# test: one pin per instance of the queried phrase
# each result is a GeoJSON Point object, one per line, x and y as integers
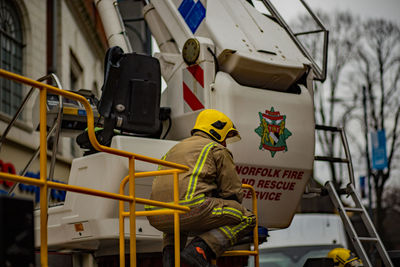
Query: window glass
{"type": "Point", "coordinates": [10, 56]}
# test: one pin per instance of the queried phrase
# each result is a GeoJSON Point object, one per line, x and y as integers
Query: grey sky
{"type": "Point", "coordinates": [388, 9]}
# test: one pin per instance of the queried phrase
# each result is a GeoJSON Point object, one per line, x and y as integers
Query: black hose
{"type": "Point", "coordinates": [215, 60]}
{"type": "Point", "coordinates": [169, 128]}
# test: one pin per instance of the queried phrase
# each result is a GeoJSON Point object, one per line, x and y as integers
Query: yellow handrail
{"type": "Point", "coordinates": [255, 251]}
{"type": "Point", "coordinates": [176, 212]}
{"type": "Point", "coordinates": [44, 184]}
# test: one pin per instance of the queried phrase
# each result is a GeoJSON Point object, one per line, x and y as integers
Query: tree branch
{"type": "Point", "coordinates": [394, 139]}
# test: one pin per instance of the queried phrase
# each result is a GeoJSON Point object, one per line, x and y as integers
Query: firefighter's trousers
{"type": "Point", "coordinates": [219, 222]}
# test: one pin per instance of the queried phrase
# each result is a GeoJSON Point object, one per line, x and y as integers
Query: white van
{"type": "Point", "coordinates": [308, 236]}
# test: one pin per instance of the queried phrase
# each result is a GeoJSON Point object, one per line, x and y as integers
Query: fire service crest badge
{"type": "Point", "coordinates": [273, 131]}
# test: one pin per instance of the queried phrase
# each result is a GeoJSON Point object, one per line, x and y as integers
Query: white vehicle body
{"type": "Point", "coordinates": [308, 236]}
{"type": "Point", "coordinates": [257, 66]}
{"type": "Point", "coordinates": [309, 230]}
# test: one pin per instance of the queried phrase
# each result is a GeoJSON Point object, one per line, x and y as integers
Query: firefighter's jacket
{"type": "Point", "coordinates": [211, 173]}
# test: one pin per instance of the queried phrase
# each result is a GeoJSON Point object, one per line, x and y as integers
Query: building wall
{"type": "Point", "coordinates": [34, 22]}
{"type": "Point", "coordinates": [74, 40]}
{"type": "Point", "coordinates": [17, 158]}
{"type": "Point", "coordinates": [73, 44]}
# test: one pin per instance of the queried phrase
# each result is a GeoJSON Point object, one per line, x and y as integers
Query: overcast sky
{"type": "Point", "coordinates": [386, 9]}
{"type": "Point", "coordinates": [389, 9]}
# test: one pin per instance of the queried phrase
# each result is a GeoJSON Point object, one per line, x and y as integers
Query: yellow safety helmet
{"type": "Point", "coordinates": [217, 125]}
{"type": "Point", "coordinates": [343, 257]}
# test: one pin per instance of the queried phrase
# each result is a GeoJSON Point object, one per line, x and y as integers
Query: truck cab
{"type": "Point", "coordinates": [310, 235]}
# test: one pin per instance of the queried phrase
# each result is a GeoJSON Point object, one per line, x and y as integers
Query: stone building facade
{"type": "Point", "coordinates": [38, 37]}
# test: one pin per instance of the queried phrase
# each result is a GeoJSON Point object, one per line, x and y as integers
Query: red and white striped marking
{"type": "Point", "coordinates": [193, 88]}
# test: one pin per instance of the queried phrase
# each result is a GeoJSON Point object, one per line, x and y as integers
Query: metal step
{"type": "Point", "coordinates": [328, 128]}
{"type": "Point", "coordinates": [368, 239]}
{"type": "Point", "coordinates": [331, 159]}
{"type": "Point", "coordinates": [354, 209]}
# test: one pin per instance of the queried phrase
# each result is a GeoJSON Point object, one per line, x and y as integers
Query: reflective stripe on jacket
{"type": "Point", "coordinates": [211, 172]}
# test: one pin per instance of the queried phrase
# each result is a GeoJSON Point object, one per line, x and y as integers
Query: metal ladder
{"type": "Point", "coordinates": [334, 194]}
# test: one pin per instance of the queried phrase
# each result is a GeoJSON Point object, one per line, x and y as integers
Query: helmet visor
{"type": "Point", "coordinates": [232, 136]}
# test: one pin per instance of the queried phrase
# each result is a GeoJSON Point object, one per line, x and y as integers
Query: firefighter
{"type": "Point", "coordinates": [344, 258]}
{"type": "Point", "coordinates": [211, 188]}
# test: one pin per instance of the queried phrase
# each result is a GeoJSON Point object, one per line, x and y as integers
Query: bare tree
{"type": "Point", "coordinates": [391, 202]}
{"type": "Point", "coordinates": [361, 55]}
{"type": "Point", "coordinates": [330, 108]}
{"type": "Point", "coordinates": [378, 72]}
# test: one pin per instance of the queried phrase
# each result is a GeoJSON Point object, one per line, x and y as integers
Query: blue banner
{"type": "Point", "coordinates": [378, 149]}
{"type": "Point", "coordinates": [362, 186]}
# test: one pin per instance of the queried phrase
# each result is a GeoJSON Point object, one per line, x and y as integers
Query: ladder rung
{"type": "Point", "coordinates": [368, 239]}
{"type": "Point", "coordinates": [331, 159]}
{"type": "Point", "coordinates": [327, 128]}
{"type": "Point", "coordinates": [354, 209]}
{"type": "Point", "coordinates": [307, 32]}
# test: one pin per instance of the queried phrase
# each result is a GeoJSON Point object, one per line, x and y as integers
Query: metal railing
{"type": "Point", "coordinates": [123, 214]}
{"type": "Point", "coordinates": [320, 71]}
{"type": "Point", "coordinates": [44, 184]}
{"type": "Point", "coordinates": [255, 251]}
{"type": "Point", "coordinates": [55, 127]}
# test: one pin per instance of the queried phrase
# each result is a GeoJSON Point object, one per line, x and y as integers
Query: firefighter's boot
{"type": "Point", "coordinates": [198, 254]}
{"type": "Point", "coordinates": [168, 256]}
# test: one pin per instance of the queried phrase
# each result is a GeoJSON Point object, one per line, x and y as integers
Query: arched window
{"type": "Point", "coordinates": [10, 56]}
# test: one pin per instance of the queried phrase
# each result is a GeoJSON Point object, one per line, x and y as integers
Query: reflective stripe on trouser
{"type": "Point", "coordinates": [219, 222]}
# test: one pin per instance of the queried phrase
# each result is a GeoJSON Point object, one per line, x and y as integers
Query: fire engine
{"type": "Point", "coordinates": [223, 55]}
